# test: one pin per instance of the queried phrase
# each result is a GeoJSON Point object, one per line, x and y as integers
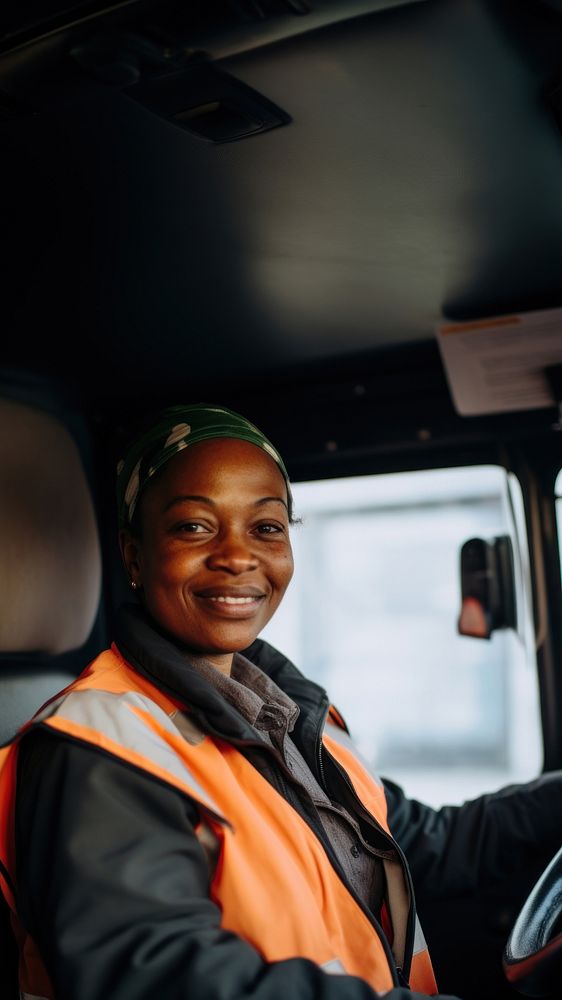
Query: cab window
{"type": "Point", "coordinates": [372, 615]}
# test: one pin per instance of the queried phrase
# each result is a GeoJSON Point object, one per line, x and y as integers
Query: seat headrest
{"type": "Point", "coordinates": [50, 560]}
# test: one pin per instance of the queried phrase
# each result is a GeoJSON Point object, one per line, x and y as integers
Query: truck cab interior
{"type": "Point", "coordinates": [299, 209]}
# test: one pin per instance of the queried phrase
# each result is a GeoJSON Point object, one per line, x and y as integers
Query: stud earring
{"type": "Point", "coordinates": [133, 585]}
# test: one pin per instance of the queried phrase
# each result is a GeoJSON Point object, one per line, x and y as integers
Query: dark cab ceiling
{"type": "Point", "coordinates": [419, 176]}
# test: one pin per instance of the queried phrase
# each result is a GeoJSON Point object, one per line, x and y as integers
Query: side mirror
{"type": "Point", "coordinates": [487, 587]}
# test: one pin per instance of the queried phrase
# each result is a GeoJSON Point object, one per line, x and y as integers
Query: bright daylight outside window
{"type": "Point", "coordinates": [372, 614]}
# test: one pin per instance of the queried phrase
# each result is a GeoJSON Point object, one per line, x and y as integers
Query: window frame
{"type": "Point", "coordinates": [536, 464]}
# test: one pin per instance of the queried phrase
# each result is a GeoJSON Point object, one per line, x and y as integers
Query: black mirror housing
{"type": "Point", "coordinates": [487, 587]}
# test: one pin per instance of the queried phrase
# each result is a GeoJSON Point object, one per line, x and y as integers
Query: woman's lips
{"type": "Point", "coordinates": [232, 602]}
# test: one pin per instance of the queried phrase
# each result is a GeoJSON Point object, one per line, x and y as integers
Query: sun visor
{"type": "Point", "coordinates": [504, 363]}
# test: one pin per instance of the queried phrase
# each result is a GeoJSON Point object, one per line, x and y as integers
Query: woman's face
{"type": "Point", "coordinates": [213, 559]}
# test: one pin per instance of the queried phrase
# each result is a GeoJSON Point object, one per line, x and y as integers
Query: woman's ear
{"type": "Point", "coordinates": [130, 553]}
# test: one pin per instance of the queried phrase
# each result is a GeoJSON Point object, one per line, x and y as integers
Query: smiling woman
{"type": "Point", "coordinates": [190, 817]}
{"type": "Point", "coordinates": [205, 505]}
{"type": "Point", "coordinates": [211, 557]}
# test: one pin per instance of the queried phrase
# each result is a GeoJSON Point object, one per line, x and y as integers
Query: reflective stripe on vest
{"type": "Point", "coordinates": [269, 853]}
{"type": "Point", "coordinates": [132, 726]}
{"type": "Point", "coordinates": [422, 976]}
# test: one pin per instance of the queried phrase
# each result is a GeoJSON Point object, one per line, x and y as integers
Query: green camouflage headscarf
{"type": "Point", "coordinates": [176, 428]}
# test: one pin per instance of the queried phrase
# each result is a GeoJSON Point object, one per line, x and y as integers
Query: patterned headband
{"type": "Point", "coordinates": [176, 428]}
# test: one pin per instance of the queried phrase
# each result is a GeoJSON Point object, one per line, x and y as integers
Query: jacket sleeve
{"type": "Point", "coordinates": [458, 849]}
{"type": "Point", "coordinates": [114, 888]}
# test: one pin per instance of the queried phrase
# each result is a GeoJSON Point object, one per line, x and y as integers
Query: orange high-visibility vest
{"type": "Point", "coordinates": [268, 853]}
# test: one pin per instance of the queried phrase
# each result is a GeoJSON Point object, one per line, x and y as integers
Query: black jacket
{"type": "Point", "coordinates": [113, 884]}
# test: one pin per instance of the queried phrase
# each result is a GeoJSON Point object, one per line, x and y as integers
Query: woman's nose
{"type": "Point", "coordinates": [232, 554]}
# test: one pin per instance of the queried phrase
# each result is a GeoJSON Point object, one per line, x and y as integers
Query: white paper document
{"type": "Point", "coordinates": [497, 365]}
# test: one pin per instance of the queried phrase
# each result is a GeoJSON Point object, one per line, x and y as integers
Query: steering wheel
{"type": "Point", "coordinates": [532, 959]}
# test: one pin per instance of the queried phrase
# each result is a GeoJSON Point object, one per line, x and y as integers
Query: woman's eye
{"type": "Point", "coordinates": [270, 529]}
{"type": "Point", "coordinates": [190, 527]}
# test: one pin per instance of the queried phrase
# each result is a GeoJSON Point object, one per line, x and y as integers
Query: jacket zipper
{"type": "Point", "coordinates": [396, 972]}
{"type": "Point", "coordinates": [410, 930]}
{"type": "Point", "coordinates": [321, 766]}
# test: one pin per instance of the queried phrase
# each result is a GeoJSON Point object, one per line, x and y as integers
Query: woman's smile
{"type": "Point", "coordinates": [232, 601]}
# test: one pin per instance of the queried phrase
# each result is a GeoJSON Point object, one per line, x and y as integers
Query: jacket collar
{"type": "Point", "coordinates": [155, 656]}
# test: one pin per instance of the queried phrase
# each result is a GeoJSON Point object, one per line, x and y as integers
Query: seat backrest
{"type": "Point", "coordinates": [27, 681]}
{"type": "Point", "coordinates": [50, 564]}
{"type": "Point", "coordinates": [50, 577]}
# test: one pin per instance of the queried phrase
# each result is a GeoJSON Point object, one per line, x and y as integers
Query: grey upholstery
{"type": "Point", "coordinates": [26, 682]}
{"type": "Point", "coordinates": [50, 563]}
